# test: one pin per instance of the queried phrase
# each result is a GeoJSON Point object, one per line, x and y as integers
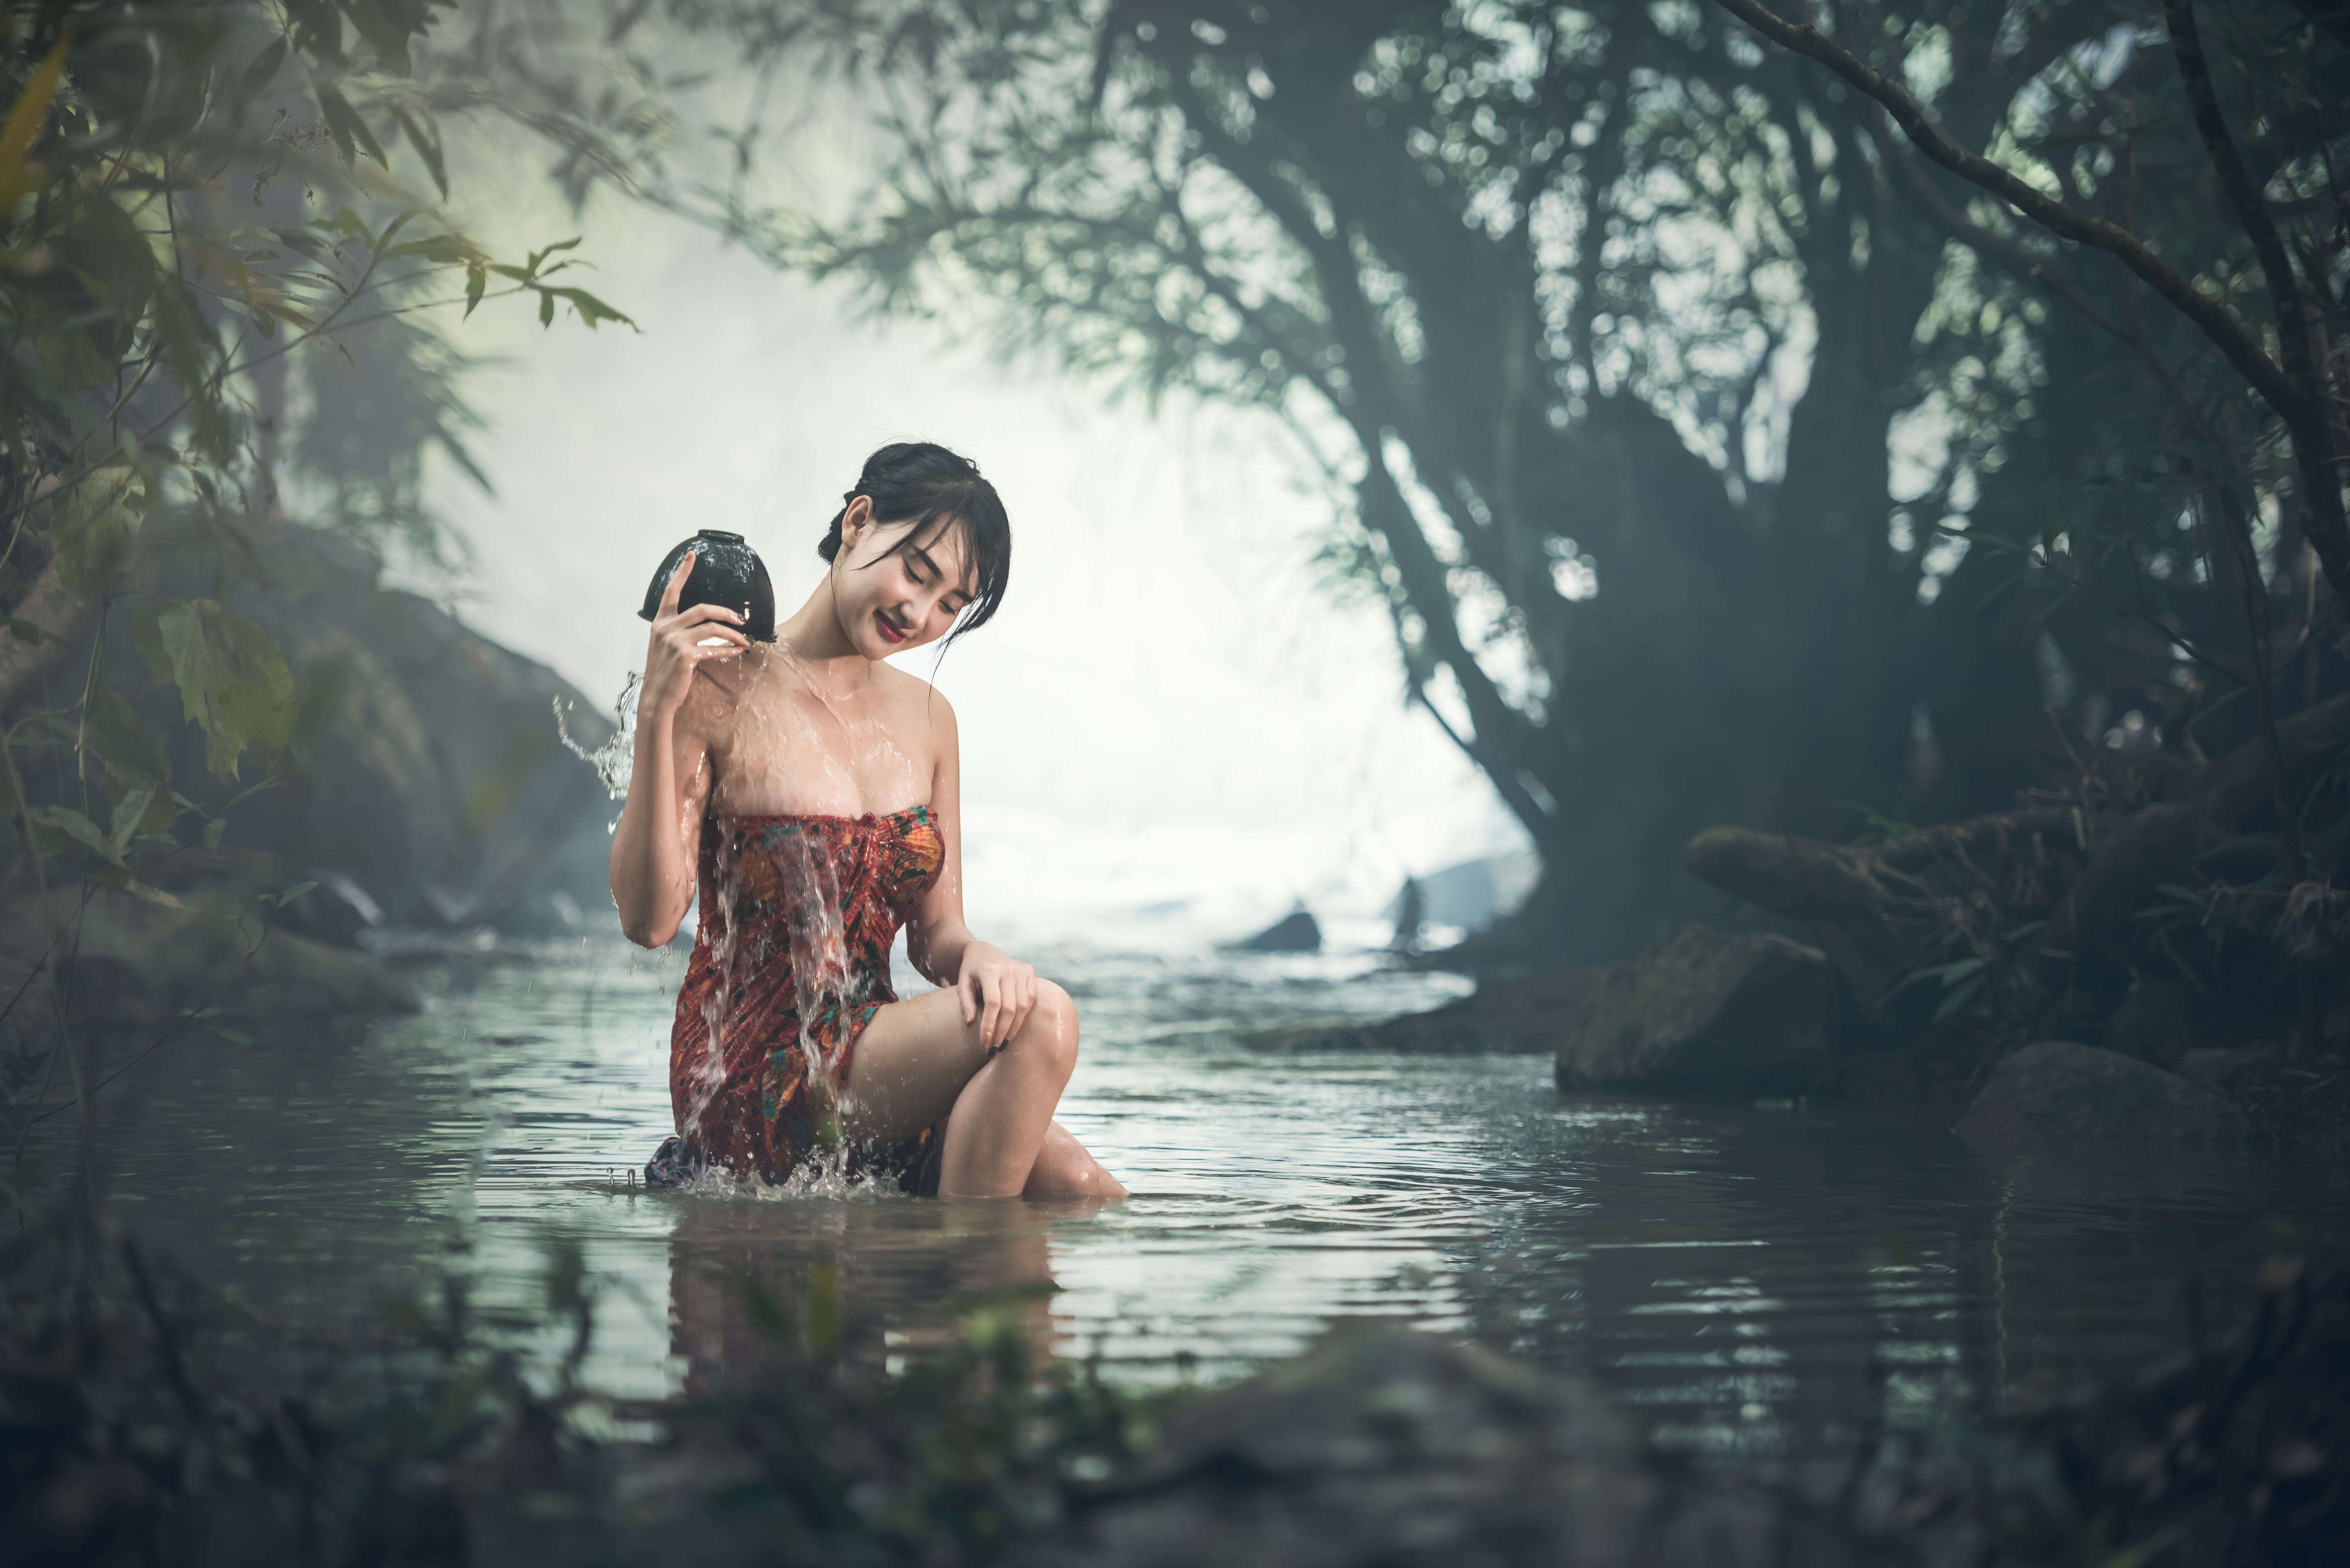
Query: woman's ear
{"type": "Point", "coordinates": [854, 523]}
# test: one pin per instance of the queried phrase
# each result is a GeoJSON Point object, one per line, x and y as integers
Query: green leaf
{"type": "Point", "coordinates": [161, 814]}
{"type": "Point", "coordinates": [546, 307]}
{"type": "Point", "coordinates": [263, 699]}
{"type": "Point", "coordinates": [263, 69]}
{"type": "Point", "coordinates": [97, 525]}
{"type": "Point", "coordinates": [28, 631]}
{"type": "Point", "coordinates": [427, 148]}
{"type": "Point", "coordinates": [591, 308]}
{"type": "Point", "coordinates": [122, 738]}
{"type": "Point", "coordinates": [62, 830]}
{"type": "Point", "coordinates": [147, 635]}
{"type": "Point", "coordinates": [388, 28]}
{"type": "Point", "coordinates": [212, 831]}
{"type": "Point", "coordinates": [138, 889]}
{"type": "Point", "coordinates": [181, 325]}
{"type": "Point", "coordinates": [350, 132]}
{"type": "Point", "coordinates": [539, 256]}
{"type": "Point", "coordinates": [477, 278]}
{"type": "Point", "coordinates": [382, 242]}
{"type": "Point", "coordinates": [448, 250]}
{"type": "Point", "coordinates": [293, 893]}
{"type": "Point", "coordinates": [108, 249]}
{"type": "Point", "coordinates": [1957, 999]}
{"type": "Point", "coordinates": [127, 815]}
{"type": "Point", "coordinates": [2265, 842]}
{"type": "Point", "coordinates": [309, 244]}
{"type": "Point", "coordinates": [232, 679]}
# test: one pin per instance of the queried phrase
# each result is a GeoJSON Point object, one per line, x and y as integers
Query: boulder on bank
{"type": "Point", "coordinates": [1702, 1012]}
{"type": "Point", "coordinates": [130, 959]}
{"type": "Point", "coordinates": [1518, 1015]}
{"type": "Point", "coordinates": [1384, 1445]}
{"type": "Point", "coordinates": [2059, 1091]}
{"type": "Point", "coordinates": [428, 786]}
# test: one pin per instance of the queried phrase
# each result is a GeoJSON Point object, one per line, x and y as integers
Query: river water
{"type": "Point", "coordinates": [1754, 1279]}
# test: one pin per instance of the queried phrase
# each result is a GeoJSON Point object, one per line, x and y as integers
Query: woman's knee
{"type": "Point", "coordinates": [1051, 1030]}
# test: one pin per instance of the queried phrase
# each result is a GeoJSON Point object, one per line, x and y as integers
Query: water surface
{"type": "Point", "coordinates": [1755, 1278]}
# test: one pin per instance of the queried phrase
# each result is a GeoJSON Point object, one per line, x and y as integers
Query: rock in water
{"type": "Point", "coordinates": [130, 959]}
{"type": "Point", "coordinates": [2060, 1090]}
{"type": "Point", "coordinates": [1390, 1447]}
{"type": "Point", "coordinates": [1702, 1012]}
{"type": "Point", "coordinates": [1296, 932]}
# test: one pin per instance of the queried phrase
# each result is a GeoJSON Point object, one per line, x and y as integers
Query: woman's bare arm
{"type": "Point", "coordinates": [998, 991]}
{"type": "Point", "coordinates": [668, 786]}
{"type": "Point", "coordinates": [936, 935]}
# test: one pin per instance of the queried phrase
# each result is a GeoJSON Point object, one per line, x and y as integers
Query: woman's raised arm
{"type": "Point", "coordinates": [668, 786]}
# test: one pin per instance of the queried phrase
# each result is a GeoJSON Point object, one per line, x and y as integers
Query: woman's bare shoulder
{"type": "Point", "coordinates": [915, 703]}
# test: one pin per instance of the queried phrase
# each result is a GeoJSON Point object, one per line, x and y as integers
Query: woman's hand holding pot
{"type": "Point", "coordinates": [683, 641]}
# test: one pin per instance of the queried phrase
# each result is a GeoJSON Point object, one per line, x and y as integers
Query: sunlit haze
{"type": "Point", "coordinates": [1172, 712]}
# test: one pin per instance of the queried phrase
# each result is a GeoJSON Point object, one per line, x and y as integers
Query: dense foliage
{"type": "Point", "coordinates": [211, 281]}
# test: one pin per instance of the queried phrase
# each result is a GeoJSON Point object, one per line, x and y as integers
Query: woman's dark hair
{"type": "Point", "coordinates": [919, 484]}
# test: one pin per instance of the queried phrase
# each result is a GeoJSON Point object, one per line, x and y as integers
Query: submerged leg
{"type": "Point", "coordinates": [918, 1060]}
{"type": "Point", "coordinates": [1065, 1169]}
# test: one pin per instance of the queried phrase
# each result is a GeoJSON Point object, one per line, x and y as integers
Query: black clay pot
{"type": "Point", "coordinates": [726, 571]}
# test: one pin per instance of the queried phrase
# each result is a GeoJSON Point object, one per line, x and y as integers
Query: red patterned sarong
{"type": "Point", "coordinates": [791, 961]}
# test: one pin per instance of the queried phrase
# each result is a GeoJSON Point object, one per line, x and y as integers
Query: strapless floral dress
{"type": "Point", "coordinates": [791, 961]}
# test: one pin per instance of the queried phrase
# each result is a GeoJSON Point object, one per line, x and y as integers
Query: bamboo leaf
{"type": "Point", "coordinates": [350, 132]}
{"type": "Point", "coordinates": [263, 69]}
{"type": "Point", "coordinates": [539, 256]}
{"type": "Point", "coordinates": [427, 148]}
{"type": "Point", "coordinates": [1957, 999]}
{"type": "Point", "coordinates": [591, 308]}
{"type": "Point", "coordinates": [26, 117]}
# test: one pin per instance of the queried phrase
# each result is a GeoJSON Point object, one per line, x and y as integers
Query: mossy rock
{"type": "Point", "coordinates": [2060, 1092]}
{"type": "Point", "coordinates": [1703, 1013]}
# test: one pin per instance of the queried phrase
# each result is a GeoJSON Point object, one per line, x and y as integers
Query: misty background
{"type": "Point", "coordinates": [1173, 712]}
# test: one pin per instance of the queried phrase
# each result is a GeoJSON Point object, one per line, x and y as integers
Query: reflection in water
{"type": "Point", "coordinates": [891, 1279]}
{"type": "Point", "coordinates": [1755, 1280]}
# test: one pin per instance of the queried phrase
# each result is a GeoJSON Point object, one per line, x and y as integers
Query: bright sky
{"type": "Point", "coordinates": [1170, 708]}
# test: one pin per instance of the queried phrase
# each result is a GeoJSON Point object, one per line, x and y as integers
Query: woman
{"type": "Point", "coordinates": [810, 791]}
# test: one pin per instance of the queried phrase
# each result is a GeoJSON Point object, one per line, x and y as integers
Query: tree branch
{"type": "Point", "coordinates": [2300, 405]}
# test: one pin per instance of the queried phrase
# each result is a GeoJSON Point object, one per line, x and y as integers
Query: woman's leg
{"type": "Point", "coordinates": [918, 1060]}
{"type": "Point", "coordinates": [1064, 1169]}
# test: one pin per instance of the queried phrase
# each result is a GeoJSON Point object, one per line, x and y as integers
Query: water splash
{"type": "Point", "coordinates": [614, 760]}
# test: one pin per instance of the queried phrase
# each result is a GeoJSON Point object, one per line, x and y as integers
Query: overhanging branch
{"type": "Point", "coordinates": [2298, 401]}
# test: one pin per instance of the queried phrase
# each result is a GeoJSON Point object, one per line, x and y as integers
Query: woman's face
{"type": "Point", "coordinates": [894, 593]}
